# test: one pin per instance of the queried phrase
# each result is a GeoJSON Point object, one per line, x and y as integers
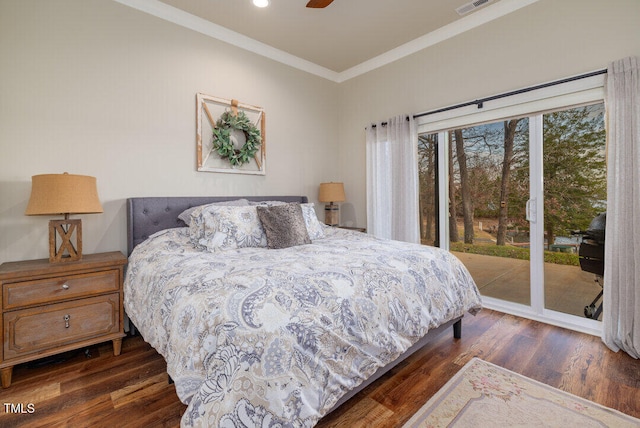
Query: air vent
{"type": "Point", "coordinates": [466, 8]}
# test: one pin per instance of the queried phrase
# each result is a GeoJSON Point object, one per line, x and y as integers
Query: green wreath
{"type": "Point", "coordinates": [222, 138]}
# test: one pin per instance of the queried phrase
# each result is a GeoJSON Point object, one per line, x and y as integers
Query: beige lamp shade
{"type": "Point", "coordinates": [63, 194]}
{"type": "Point", "coordinates": [331, 192]}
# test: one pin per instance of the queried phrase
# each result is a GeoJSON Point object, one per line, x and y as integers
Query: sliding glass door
{"type": "Point", "coordinates": [487, 187]}
{"type": "Point", "coordinates": [517, 192]}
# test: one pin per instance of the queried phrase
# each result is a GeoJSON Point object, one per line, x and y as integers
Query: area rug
{"type": "Point", "coordinates": [482, 394]}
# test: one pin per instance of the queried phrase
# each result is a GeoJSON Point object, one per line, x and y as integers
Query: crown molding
{"type": "Point", "coordinates": [469, 22]}
{"type": "Point", "coordinates": [208, 28]}
{"type": "Point", "coordinates": [179, 17]}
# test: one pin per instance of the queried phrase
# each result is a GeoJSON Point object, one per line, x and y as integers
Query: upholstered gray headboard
{"type": "Point", "coordinates": [146, 216]}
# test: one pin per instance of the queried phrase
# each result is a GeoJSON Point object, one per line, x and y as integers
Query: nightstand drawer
{"type": "Point", "coordinates": [32, 330]}
{"type": "Point", "coordinates": [47, 290]}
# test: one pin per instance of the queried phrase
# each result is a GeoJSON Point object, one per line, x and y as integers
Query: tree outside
{"type": "Point", "coordinates": [489, 166]}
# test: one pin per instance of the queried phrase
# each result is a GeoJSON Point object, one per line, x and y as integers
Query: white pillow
{"type": "Point", "coordinates": [219, 228]}
{"type": "Point", "coordinates": [314, 227]}
{"type": "Point", "coordinates": [186, 214]}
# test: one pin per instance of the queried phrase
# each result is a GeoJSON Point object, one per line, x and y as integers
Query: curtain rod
{"type": "Point", "coordinates": [481, 101]}
{"type": "Point", "coordinates": [373, 125]}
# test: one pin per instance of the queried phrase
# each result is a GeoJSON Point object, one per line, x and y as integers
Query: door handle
{"type": "Point", "coordinates": [531, 210]}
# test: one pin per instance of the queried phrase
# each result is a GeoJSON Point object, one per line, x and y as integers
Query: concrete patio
{"type": "Point", "coordinates": [568, 289]}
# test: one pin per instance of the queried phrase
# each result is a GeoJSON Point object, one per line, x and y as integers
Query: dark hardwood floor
{"type": "Point", "coordinates": [131, 390]}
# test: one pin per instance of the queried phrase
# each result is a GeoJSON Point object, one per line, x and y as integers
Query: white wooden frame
{"type": "Point", "coordinates": [208, 110]}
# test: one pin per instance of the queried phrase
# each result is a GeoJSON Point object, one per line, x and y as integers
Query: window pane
{"type": "Point", "coordinates": [574, 195]}
{"type": "Point", "coordinates": [428, 173]}
{"type": "Point", "coordinates": [489, 191]}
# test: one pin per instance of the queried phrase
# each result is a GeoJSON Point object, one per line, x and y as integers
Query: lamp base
{"type": "Point", "coordinates": [331, 215]}
{"type": "Point", "coordinates": [66, 252]}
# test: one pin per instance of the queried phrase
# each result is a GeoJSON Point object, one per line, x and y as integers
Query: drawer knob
{"type": "Point", "coordinates": [66, 320]}
{"type": "Point", "coordinates": [65, 286]}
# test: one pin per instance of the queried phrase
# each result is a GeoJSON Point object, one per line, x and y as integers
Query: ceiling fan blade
{"type": "Point", "coordinates": [319, 4]}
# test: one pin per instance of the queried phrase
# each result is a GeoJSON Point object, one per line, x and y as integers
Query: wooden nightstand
{"type": "Point", "coordinates": [52, 308]}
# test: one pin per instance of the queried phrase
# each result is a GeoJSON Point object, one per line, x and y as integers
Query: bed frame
{"type": "Point", "coordinates": [148, 215]}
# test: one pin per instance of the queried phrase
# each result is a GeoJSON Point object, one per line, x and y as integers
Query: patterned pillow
{"type": "Point", "coordinates": [219, 228]}
{"type": "Point", "coordinates": [284, 225]}
{"type": "Point", "coordinates": [186, 214]}
{"type": "Point", "coordinates": [314, 227]}
{"type": "Point", "coordinates": [268, 203]}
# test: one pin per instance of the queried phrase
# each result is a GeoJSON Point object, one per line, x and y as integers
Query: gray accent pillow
{"type": "Point", "coordinates": [284, 225]}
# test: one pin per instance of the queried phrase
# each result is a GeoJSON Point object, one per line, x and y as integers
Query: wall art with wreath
{"type": "Point", "coordinates": [230, 136]}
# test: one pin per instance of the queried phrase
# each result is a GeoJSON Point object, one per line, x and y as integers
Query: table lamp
{"type": "Point", "coordinates": [54, 194]}
{"type": "Point", "coordinates": [331, 192]}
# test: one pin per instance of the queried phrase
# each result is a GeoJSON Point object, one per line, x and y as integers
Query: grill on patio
{"type": "Point", "coordinates": [591, 256]}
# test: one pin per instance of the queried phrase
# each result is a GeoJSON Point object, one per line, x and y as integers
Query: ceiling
{"type": "Point", "coordinates": [335, 41]}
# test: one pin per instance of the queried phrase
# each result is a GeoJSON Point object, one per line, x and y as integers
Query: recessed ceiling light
{"type": "Point", "coordinates": [261, 3]}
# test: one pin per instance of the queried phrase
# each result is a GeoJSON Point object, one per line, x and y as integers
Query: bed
{"type": "Point", "coordinates": [260, 336]}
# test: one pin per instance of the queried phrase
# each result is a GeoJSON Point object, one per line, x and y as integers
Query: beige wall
{"type": "Point", "coordinates": [546, 41]}
{"type": "Point", "coordinates": [95, 87]}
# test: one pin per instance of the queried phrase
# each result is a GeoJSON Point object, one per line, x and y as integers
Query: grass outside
{"type": "Point", "coordinates": [512, 252]}
{"type": "Point", "coordinates": [485, 245]}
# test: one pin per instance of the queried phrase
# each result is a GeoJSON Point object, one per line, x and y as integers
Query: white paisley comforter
{"type": "Point", "coordinates": [266, 338]}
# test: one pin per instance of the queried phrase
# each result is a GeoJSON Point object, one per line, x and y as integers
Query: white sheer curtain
{"type": "Point", "coordinates": [392, 180]}
{"type": "Point", "coordinates": [621, 308]}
